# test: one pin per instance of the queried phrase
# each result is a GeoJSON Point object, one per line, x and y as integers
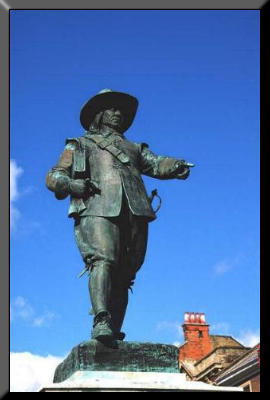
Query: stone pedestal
{"type": "Point", "coordinates": [124, 367]}
{"type": "Point", "coordinates": [119, 356]}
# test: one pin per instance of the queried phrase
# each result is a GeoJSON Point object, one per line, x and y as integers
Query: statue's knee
{"type": "Point", "coordinates": [105, 266]}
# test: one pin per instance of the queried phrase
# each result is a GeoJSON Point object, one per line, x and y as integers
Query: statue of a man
{"type": "Point", "coordinates": [101, 171]}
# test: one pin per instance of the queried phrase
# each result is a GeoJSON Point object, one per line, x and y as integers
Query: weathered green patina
{"type": "Point", "coordinates": [101, 171]}
{"type": "Point", "coordinates": [124, 356]}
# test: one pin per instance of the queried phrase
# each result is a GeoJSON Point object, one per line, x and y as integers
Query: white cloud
{"type": "Point", "coordinates": [20, 308]}
{"type": "Point", "coordinates": [223, 266]}
{"type": "Point", "coordinates": [221, 328]}
{"type": "Point", "coordinates": [43, 320]}
{"type": "Point", "coordinates": [20, 302]}
{"type": "Point", "coordinates": [169, 325]}
{"type": "Point", "coordinates": [15, 172]}
{"type": "Point", "coordinates": [174, 327]}
{"type": "Point", "coordinates": [30, 372]}
{"type": "Point", "coordinates": [249, 338]}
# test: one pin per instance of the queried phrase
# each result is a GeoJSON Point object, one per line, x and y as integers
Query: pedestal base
{"type": "Point", "coordinates": [125, 367]}
{"type": "Point", "coordinates": [118, 381]}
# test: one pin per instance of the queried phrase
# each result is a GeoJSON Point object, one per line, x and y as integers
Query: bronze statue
{"type": "Point", "coordinates": [101, 171]}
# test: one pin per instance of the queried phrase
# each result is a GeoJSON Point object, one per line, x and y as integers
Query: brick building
{"type": "Point", "coordinates": [203, 356]}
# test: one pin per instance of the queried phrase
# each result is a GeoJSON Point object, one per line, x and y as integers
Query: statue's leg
{"type": "Point", "coordinates": [98, 242]}
{"type": "Point", "coordinates": [100, 295]}
{"type": "Point", "coordinates": [138, 245]}
{"type": "Point", "coordinates": [133, 243]}
{"type": "Point", "coordinates": [118, 307]}
{"type": "Point", "coordinates": [100, 286]}
{"type": "Point", "coordinates": [119, 299]}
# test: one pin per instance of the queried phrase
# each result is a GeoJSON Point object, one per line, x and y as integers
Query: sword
{"type": "Point", "coordinates": [187, 164]}
{"type": "Point", "coordinates": [86, 268]}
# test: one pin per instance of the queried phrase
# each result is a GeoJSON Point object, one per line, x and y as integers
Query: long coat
{"type": "Point", "coordinates": [110, 175]}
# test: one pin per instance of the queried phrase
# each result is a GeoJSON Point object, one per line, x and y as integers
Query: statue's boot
{"type": "Point", "coordinates": [102, 328]}
{"type": "Point", "coordinates": [100, 294]}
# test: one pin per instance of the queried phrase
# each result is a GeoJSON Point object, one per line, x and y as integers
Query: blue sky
{"type": "Point", "coordinates": [196, 75]}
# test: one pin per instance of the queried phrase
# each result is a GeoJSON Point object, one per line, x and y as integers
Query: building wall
{"type": "Point", "coordinates": [255, 384]}
{"type": "Point", "coordinates": [223, 356]}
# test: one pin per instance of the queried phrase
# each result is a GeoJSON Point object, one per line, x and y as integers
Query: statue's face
{"type": "Point", "coordinates": [112, 117]}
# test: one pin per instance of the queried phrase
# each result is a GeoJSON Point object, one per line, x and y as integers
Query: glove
{"type": "Point", "coordinates": [180, 166]}
{"type": "Point", "coordinates": [62, 187]}
{"type": "Point", "coordinates": [77, 187]}
{"type": "Point", "coordinates": [181, 170]}
{"type": "Point", "coordinates": [66, 186]}
{"type": "Point", "coordinates": [184, 174]}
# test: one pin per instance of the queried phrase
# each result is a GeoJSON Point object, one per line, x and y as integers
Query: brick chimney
{"type": "Point", "coordinates": [197, 339]}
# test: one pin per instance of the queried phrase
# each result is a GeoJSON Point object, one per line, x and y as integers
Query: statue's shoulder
{"type": "Point", "coordinates": [78, 142]}
{"type": "Point", "coordinates": [141, 145]}
{"type": "Point", "coordinates": [75, 140]}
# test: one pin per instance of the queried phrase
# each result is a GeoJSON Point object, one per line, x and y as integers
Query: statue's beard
{"type": "Point", "coordinates": [112, 126]}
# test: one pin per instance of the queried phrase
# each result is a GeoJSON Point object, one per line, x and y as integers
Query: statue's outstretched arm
{"type": "Point", "coordinates": [162, 167]}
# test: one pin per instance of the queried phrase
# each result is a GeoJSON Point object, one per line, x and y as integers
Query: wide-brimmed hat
{"type": "Point", "coordinates": [108, 98]}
